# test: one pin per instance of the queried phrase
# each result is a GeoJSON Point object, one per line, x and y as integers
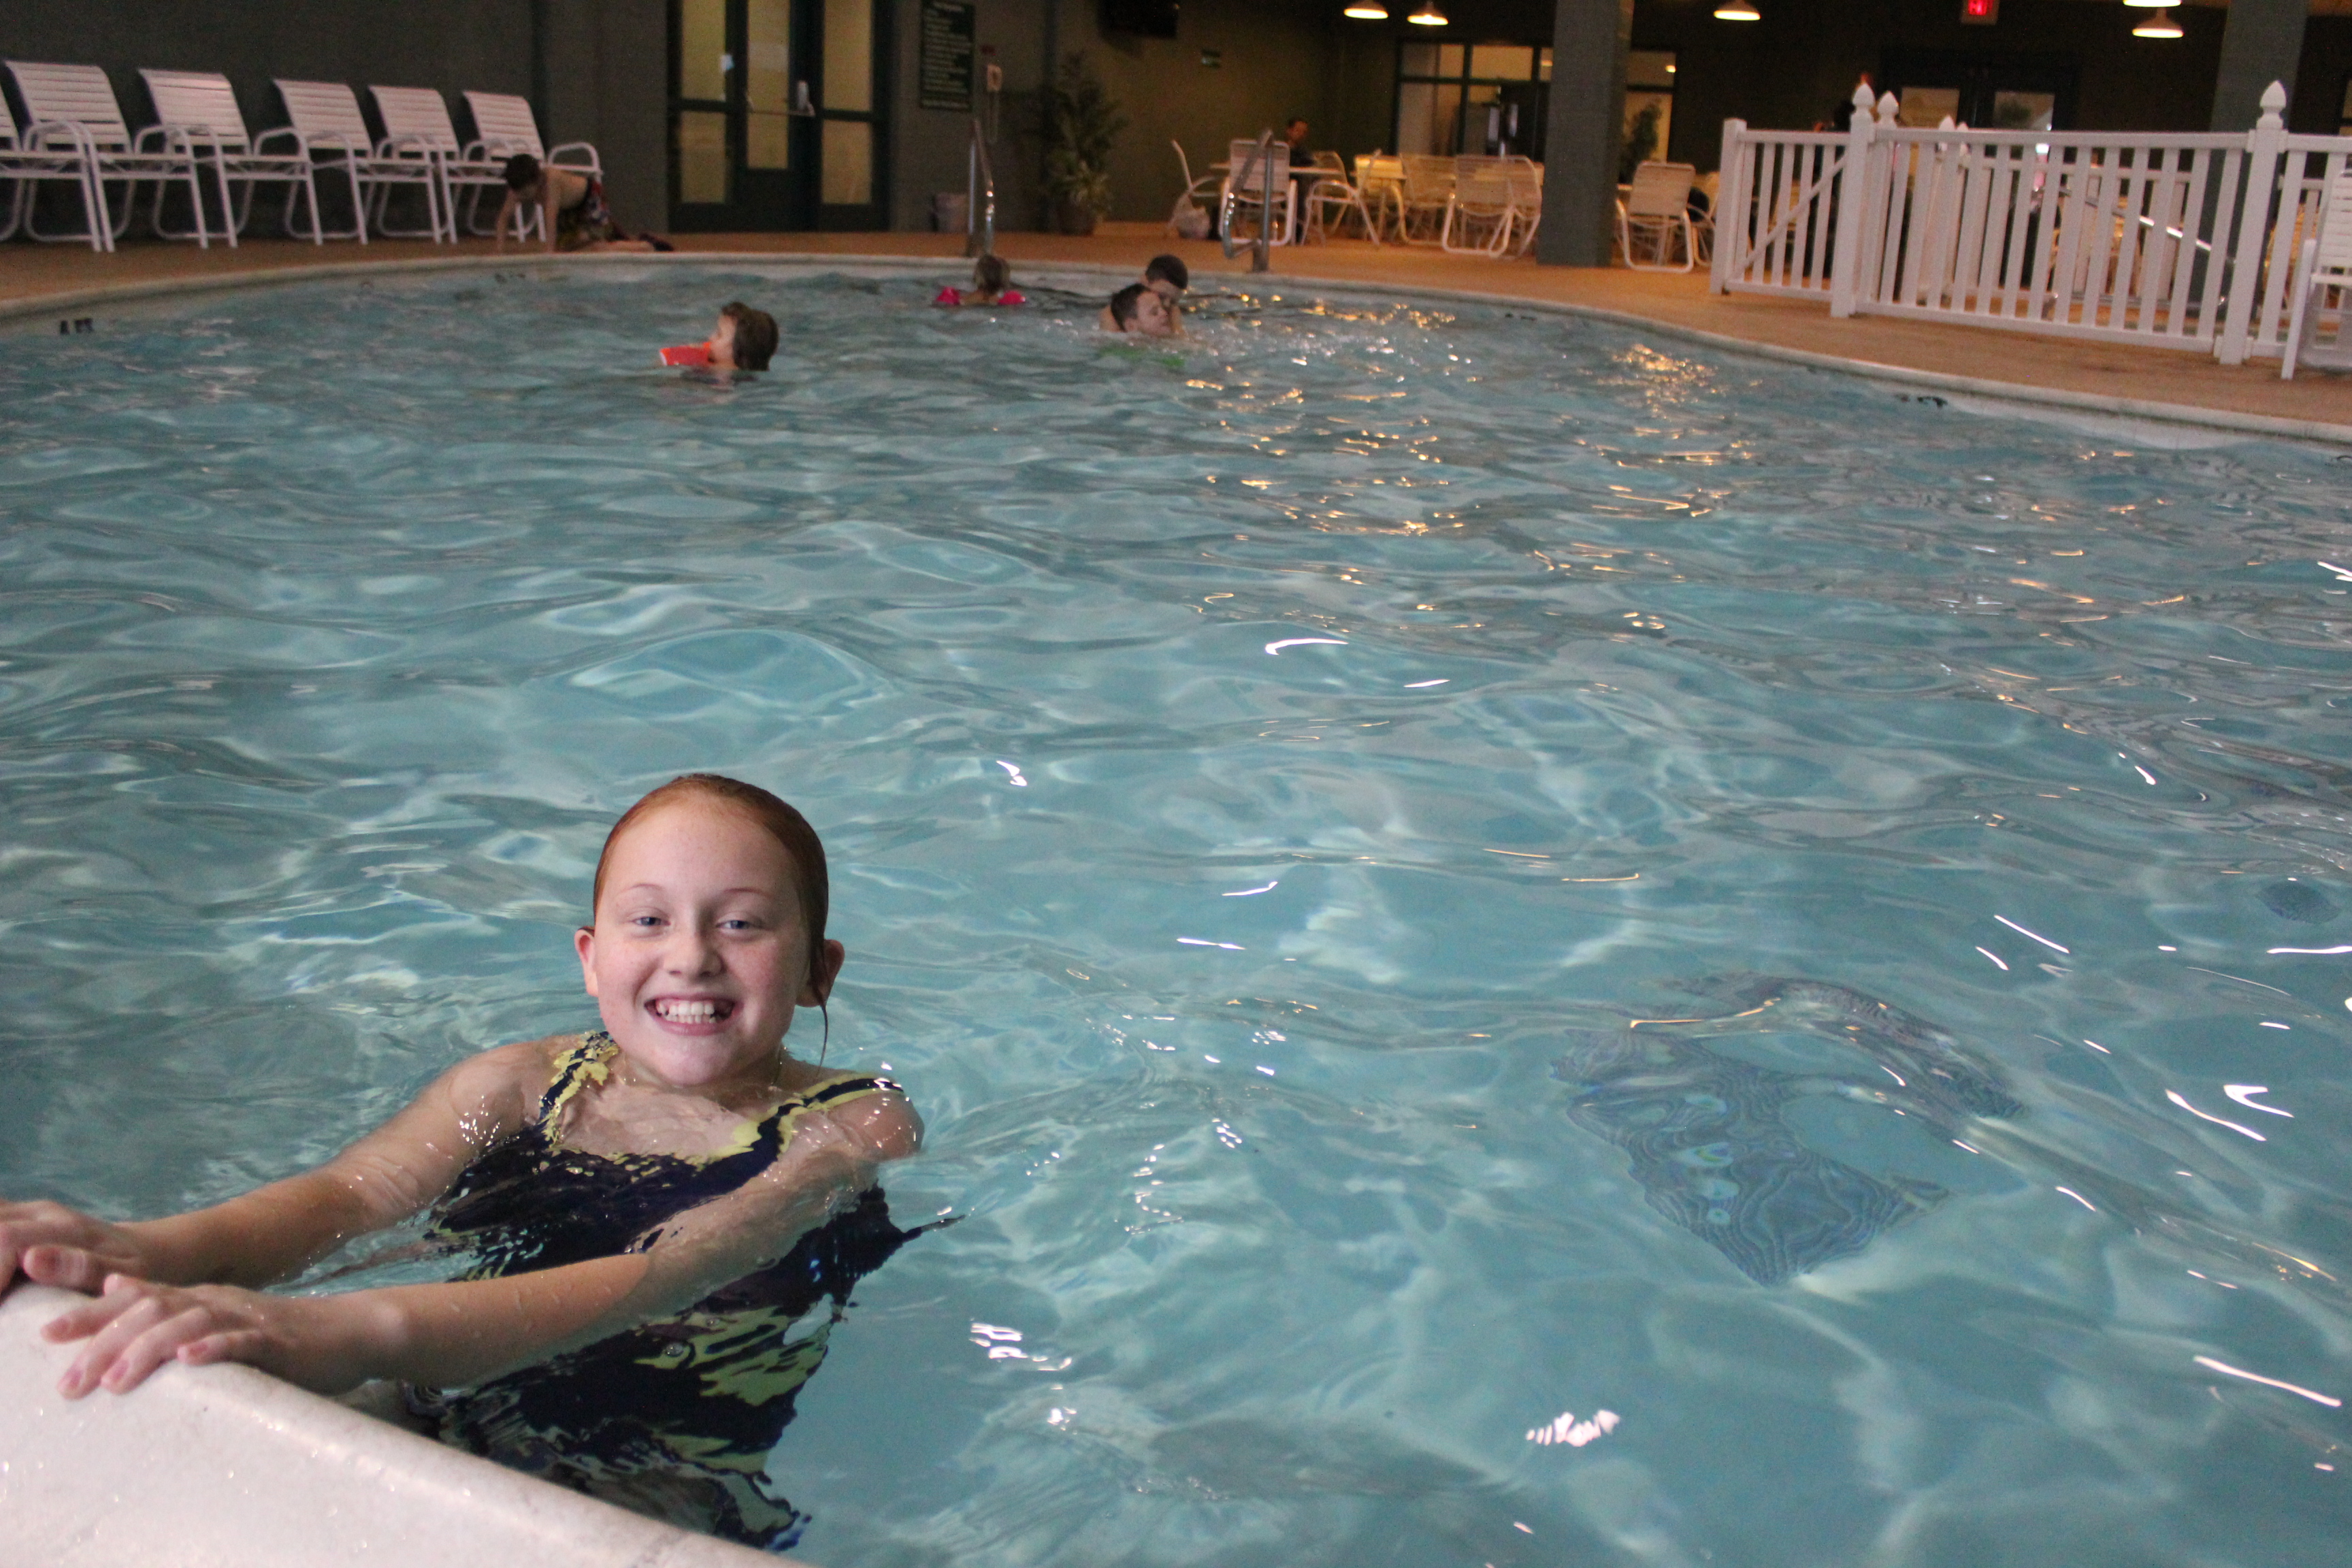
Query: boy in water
{"type": "Point", "coordinates": [1135, 308]}
{"type": "Point", "coordinates": [744, 339]}
{"type": "Point", "coordinates": [1168, 277]}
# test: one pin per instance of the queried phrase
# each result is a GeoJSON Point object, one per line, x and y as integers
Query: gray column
{"type": "Point", "coordinates": [1589, 39]}
{"type": "Point", "coordinates": [2260, 45]}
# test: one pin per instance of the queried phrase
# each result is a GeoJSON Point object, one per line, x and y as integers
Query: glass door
{"type": "Point", "coordinates": [774, 117]}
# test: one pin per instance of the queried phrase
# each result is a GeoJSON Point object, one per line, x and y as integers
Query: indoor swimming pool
{"type": "Point", "coordinates": [1521, 946]}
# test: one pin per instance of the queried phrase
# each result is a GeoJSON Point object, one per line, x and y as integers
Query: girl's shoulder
{"type": "Point", "coordinates": [873, 1108]}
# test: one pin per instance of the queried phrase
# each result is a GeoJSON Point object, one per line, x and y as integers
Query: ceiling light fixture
{"type": "Point", "coordinates": [1366, 11]}
{"type": "Point", "coordinates": [1429, 16]}
{"type": "Point", "coordinates": [1738, 11]}
{"type": "Point", "coordinates": [2160, 25]}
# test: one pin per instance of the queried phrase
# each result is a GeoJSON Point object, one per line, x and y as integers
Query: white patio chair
{"type": "Point", "coordinates": [333, 135]}
{"type": "Point", "coordinates": [1479, 214]}
{"type": "Point", "coordinates": [417, 117]}
{"type": "Point", "coordinates": [1331, 190]}
{"type": "Point", "coordinates": [1382, 179]}
{"type": "Point", "coordinates": [2324, 266]}
{"type": "Point", "coordinates": [199, 108]}
{"type": "Point", "coordinates": [1526, 177]}
{"type": "Point", "coordinates": [1423, 195]}
{"type": "Point", "coordinates": [1710, 186]}
{"type": "Point", "coordinates": [1656, 209]}
{"type": "Point", "coordinates": [71, 109]}
{"type": "Point", "coordinates": [1196, 186]}
{"type": "Point", "coordinates": [26, 167]}
{"type": "Point", "coordinates": [1245, 188]}
{"type": "Point", "coordinates": [504, 126]}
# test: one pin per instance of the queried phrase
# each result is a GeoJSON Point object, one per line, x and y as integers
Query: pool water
{"type": "Point", "coordinates": [1266, 782]}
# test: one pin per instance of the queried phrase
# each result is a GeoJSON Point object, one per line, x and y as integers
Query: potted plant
{"type": "Point", "coordinates": [1081, 123]}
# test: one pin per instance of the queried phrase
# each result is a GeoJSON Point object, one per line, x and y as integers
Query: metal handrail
{"type": "Point", "coordinates": [1261, 252]}
{"type": "Point", "coordinates": [979, 196]}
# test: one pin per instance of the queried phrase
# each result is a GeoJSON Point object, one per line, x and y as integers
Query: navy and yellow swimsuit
{"type": "Point", "coordinates": [673, 1418]}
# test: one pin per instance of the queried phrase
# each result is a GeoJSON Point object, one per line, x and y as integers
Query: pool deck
{"type": "Point", "coordinates": [2110, 377]}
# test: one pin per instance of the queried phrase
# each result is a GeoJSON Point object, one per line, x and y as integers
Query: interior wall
{"type": "Point", "coordinates": [606, 71]}
{"type": "Point", "coordinates": [1273, 61]}
{"type": "Point", "coordinates": [931, 145]}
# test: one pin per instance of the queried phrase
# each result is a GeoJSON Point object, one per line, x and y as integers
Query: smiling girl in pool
{"type": "Point", "coordinates": [653, 1205]}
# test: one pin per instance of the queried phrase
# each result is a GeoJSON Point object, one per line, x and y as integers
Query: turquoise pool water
{"type": "Point", "coordinates": [1264, 782]}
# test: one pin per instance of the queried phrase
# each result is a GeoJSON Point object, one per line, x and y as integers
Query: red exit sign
{"type": "Point", "coordinates": [1981, 13]}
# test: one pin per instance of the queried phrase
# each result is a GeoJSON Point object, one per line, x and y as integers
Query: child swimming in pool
{"type": "Point", "coordinates": [992, 284]}
{"type": "Point", "coordinates": [651, 1206]}
{"type": "Point", "coordinates": [741, 338]}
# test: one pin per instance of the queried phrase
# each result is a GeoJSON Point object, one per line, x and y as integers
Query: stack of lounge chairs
{"type": "Point", "coordinates": [64, 127]}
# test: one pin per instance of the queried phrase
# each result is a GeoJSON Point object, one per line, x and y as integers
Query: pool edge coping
{"type": "Point", "coordinates": [2034, 398]}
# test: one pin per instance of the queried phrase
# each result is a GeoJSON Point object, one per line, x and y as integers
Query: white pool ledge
{"type": "Point", "coordinates": [227, 1466]}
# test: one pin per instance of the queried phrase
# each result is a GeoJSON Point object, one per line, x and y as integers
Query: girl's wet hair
{"type": "Point", "coordinates": [521, 171]}
{"type": "Point", "coordinates": [803, 848]}
{"type": "Point", "coordinates": [990, 274]}
{"type": "Point", "coordinates": [755, 345]}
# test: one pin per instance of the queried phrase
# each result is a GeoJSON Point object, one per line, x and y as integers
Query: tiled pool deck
{"type": "Point", "coordinates": [2120, 378]}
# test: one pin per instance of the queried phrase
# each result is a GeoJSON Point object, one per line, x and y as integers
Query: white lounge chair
{"type": "Point", "coordinates": [26, 167]}
{"type": "Point", "coordinates": [72, 108]}
{"type": "Point", "coordinates": [1333, 191]}
{"type": "Point", "coordinates": [1246, 171]}
{"type": "Point", "coordinates": [1382, 179]}
{"type": "Point", "coordinates": [1197, 188]}
{"type": "Point", "coordinates": [1526, 177]}
{"type": "Point", "coordinates": [199, 109]}
{"type": "Point", "coordinates": [418, 117]}
{"type": "Point", "coordinates": [1654, 211]}
{"type": "Point", "coordinates": [332, 137]}
{"type": "Point", "coordinates": [504, 126]}
{"type": "Point", "coordinates": [2325, 264]}
{"type": "Point", "coordinates": [1422, 197]}
{"type": "Point", "coordinates": [1478, 215]}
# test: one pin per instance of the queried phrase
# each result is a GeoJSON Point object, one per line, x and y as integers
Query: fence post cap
{"type": "Point", "coordinates": [2273, 103]}
{"type": "Point", "coordinates": [1863, 101]}
{"type": "Point", "coordinates": [1890, 109]}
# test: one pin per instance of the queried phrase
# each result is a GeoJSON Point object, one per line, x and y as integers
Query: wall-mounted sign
{"type": "Point", "coordinates": [944, 72]}
{"type": "Point", "coordinates": [1979, 13]}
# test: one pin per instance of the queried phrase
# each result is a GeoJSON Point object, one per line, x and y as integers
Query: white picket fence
{"type": "Point", "coordinates": [2177, 241]}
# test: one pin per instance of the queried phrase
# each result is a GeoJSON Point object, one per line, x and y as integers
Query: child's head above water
{"type": "Point", "coordinates": [1168, 277]}
{"type": "Point", "coordinates": [1135, 308]}
{"type": "Point", "coordinates": [708, 930]}
{"type": "Point", "coordinates": [990, 277]}
{"type": "Point", "coordinates": [743, 339]}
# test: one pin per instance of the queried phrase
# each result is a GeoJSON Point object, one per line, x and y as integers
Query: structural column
{"type": "Point", "coordinates": [1589, 39]}
{"type": "Point", "coordinates": [2260, 45]}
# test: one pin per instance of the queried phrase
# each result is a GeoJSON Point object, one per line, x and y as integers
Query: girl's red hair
{"type": "Point", "coordinates": [803, 848]}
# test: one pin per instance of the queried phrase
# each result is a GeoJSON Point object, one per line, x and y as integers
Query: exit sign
{"type": "Point", "coordinates": [1981, 13]}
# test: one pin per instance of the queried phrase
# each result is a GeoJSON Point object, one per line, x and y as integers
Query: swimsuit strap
{"type": "Point", "coordinates": [823, 1097]}
{"type": "Point", "coordinates": [587, 1062]}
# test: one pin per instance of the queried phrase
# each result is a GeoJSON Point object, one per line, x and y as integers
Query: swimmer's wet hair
{"type": "Point", "coordinates": [521, 171]}
{"type": "Point", "coordinates": [755, 345]}
{"type": "Point", "coordinates": [1122, 304]}
{"type": "Point", "coordinates": [990, 274]}
{"type": "Point", "coordinates": [803, 848]}
{"type": "Point", "coordinates": [1171, 267]}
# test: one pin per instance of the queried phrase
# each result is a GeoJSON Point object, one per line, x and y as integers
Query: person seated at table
{"type": "Point", "coordinates": [1294, 133]}
{"type": "Point", "coordinates": [1168, 278]}
{"type": "Point", "coordinates": [992, 284]}
{"type": "Point", "coordinates": [1137, 309]}
{"type": "Point", "coordinates": [570, 207]}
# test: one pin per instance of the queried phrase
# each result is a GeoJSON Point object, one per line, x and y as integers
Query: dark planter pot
{"type": "Point", "coordinates": [1073, 217]}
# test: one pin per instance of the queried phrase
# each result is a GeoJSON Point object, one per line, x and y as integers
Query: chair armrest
{"type": "Point", "coordinates": [555, 156]}
{"type": "Point", "coordinates": [302, 145]}
{"type": "Point", "coordinates": [37, 134]}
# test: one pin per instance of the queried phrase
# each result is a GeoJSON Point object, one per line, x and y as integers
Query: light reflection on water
{"type": "Point", "coordinates": [1264, 786]}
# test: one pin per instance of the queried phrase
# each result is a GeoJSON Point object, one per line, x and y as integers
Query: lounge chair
{"type": "Point", "coordinates": [71, 109]}
{"type": "Point", "coordinates": [27, 166]}
{"type": "Point", "coordinates": [1526, 177]}
{"type": "Point", "coordinates": [333, 136]}
{"type": "Point", "coordinates": [1333, 190]}
{"type": "Point", "coordinates": [1196, 188]}
{"type": "Point", "coordinates": [1423, 197]}
{"type": "Point", "coordinates": [199, 109]}
{"type": "Point", "coordinates": [504, 126]}
{"type": "Point", "coordinates": [2325, 264]}
{"type": "Point", "coordinates": [1655, 209]}
{"type": "Point", "coordinates": [1245, 188]}
{"type": "Point", "coordinates": [417, 117]}
{"type": "Point", "coordinates": [1382, 179]}
{"type": "Point", "coordinates": [1479, 214]}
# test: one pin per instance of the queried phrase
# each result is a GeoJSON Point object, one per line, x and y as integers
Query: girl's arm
{"type": "Point", "coordinates": [456, 1334]}
{"type": "Point", "coordinates": [274, 1231]}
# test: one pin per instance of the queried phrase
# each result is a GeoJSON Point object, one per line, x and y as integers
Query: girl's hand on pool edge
{"type": "Point", "coordinates": [50, 1243]}
{"type": "Point", "coordinates": [136, 1326]}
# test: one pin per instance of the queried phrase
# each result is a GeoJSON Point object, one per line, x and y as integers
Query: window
{"type": "Point", "coordinates": [1483, 99]}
